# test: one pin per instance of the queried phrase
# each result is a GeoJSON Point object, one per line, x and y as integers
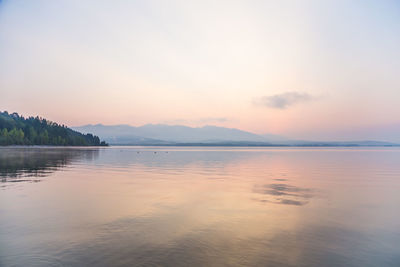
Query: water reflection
{"type": "Point", "coordinates": [129, 206]}
{"type": "Point", "coordinates": [27, 164]}
{"type": "Point", "coordinates": [284, 193]}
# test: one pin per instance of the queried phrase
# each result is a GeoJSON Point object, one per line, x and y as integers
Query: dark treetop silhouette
{"type": "Point", "coordinates": [17, 130]}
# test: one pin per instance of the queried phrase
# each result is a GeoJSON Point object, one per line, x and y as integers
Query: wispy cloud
{"type": "Point", "coordinates": [200, 120]}
{"type": "Point", "coordinates": [282, 101]}
{"type": "Point", "coordinates": [210, 120]}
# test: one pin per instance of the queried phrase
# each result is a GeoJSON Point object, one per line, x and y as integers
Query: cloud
{"type": "Point", "coordinates": [208, 120]}
{"type": "Point", "coordinates": [200, 120]}
{"type": "Point", "coordinates": [282, 101]}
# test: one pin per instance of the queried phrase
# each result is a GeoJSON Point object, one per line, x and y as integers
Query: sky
{"type": "Point", "coordinates": [322, 70]}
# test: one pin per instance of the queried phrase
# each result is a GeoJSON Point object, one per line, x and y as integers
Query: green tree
{"type": "Point", "coordinates": [4, 137]}
{"type": "Point", "coordinates": [44, 138]}
{"type": "Point", "coordinates": [32, 135]}
{"type": "Point", "coordinates": [17, 130]}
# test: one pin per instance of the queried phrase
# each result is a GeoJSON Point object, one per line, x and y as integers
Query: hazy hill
{"type": "Point", "coordinates": [160, 134]}
{"type": "Point", "coordinates": [118, 134]}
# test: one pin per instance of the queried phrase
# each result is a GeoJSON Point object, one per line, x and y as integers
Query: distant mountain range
{"type": "Point", "coordinates": [161, 134]}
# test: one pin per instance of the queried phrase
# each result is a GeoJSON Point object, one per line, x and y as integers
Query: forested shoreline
{"type": "Point", "coordinates": [18, 130]}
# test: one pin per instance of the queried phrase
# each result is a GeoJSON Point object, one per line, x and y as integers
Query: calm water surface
{"type": "Point", "coordinates": [135, 206]}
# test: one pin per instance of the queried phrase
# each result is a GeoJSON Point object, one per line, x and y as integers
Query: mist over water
{"type": "Point", "coordinates": [174, 206]}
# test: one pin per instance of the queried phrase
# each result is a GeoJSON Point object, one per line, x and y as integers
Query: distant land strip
{"type": "Point", "coordinates": [261, 145]}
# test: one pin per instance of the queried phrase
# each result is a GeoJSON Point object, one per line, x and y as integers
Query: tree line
{"type": "Point", "coordinates": [17, 130]}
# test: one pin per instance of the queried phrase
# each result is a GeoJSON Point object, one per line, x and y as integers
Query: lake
{"type": "Point", "coordinates": [195, 206]}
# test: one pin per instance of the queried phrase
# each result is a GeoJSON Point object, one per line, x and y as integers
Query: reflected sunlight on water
{"type": "Point", "coordinates": [171, 206]}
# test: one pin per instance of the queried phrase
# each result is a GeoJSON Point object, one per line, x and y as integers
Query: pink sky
{"type": "Point", "coordinates": [303, 70]}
